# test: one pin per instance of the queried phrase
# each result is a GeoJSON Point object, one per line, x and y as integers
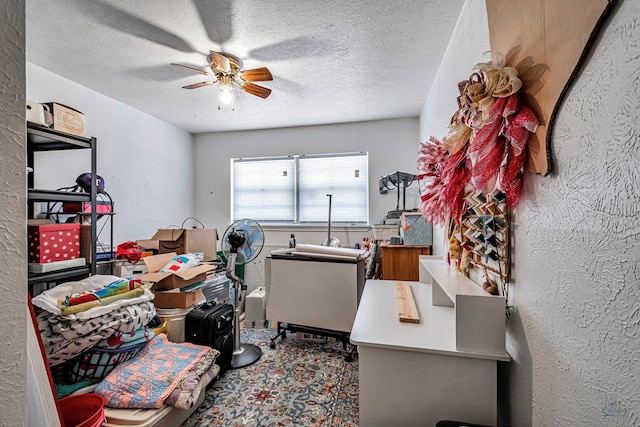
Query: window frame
{"type": "Point", "coordinates": [296, 222]}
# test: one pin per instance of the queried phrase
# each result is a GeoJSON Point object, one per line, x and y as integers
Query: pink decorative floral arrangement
{"type": "Point", "coordinates": [486, 147]}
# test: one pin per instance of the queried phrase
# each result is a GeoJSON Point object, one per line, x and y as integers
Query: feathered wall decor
{"type": "Point", "coordinates": [485, 149]}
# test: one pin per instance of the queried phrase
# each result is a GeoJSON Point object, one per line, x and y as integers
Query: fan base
{"type": "Point", "coordinates": [248, 354]}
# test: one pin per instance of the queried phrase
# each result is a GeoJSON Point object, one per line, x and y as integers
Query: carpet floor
{"type": "Point", "coordinates": [298, 383]}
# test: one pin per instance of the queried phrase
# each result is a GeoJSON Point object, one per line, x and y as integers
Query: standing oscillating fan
{"type": "Point", "coordinates": [241, 244]}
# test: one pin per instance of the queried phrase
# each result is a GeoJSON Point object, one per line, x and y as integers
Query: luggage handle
{"type": "Point", "coordinates": [206, 305]}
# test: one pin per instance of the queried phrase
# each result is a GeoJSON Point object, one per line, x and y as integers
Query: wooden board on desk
{"type": "Point", "coordinates": [407, 310]}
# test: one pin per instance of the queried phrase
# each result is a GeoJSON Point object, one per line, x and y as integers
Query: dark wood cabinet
{"type": "Point", "coordinates": [400, 262]}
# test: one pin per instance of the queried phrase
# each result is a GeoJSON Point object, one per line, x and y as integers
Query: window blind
{"type": "Point", "coordinates": [294, 189]}
{"type": "Point", "coordinates": [345, 177]}
{"type": "Point", "coordinates": [264, 189]}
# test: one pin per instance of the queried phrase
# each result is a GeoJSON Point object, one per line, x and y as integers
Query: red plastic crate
{"type": "Point", "coordinates": [53, 242]}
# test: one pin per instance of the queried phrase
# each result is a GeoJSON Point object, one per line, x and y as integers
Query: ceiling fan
{"type": "Point", "coordinates": [226, 69]}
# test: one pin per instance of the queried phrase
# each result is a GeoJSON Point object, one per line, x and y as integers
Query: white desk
{"type": "Point", "coordinates": [412, 374]}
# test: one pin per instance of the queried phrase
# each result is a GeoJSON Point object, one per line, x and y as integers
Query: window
{"type": "Point", "coordinates": [295, 189]}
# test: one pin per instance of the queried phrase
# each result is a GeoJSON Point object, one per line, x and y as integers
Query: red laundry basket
{"type": "Point", "coordinates": [83, 410]}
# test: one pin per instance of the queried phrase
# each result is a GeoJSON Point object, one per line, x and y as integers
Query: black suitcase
{"type": "Point", "coordinates": [211, 324]}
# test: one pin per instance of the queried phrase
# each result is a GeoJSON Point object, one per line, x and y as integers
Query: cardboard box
{"type": "Point", "coordinates": [103, 250]}
{"type": "Point", "coordinates": [171, 280]}
{"type": "Point", "coordinates": [148, 244]}
{"type": "Point", "coordinates": [123, 268]}
{"type": "Point", "coordinates": [66, 119]}
{"type": "Point", "coordinates": [53, 242]}
{"type": "Point", "coordinates": [177, 299]}
{"type": "Point", "coordinates": [188, 240]}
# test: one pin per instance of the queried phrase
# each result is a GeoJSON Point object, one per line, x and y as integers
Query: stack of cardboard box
{"type": "Point", "coordinates": [173, 289]}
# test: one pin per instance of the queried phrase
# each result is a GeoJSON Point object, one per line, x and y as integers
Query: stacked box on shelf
{"type": "Point", "coordinates": [53, 242]}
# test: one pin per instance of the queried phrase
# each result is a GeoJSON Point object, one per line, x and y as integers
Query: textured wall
{"type": "Point", "coordinates": [575, 335]}
{"type": "Point", "coordinates": [146, 163]}
{"type": "Point", "coordinates": [13, 245]}
{"type": "Point", "coordinates": [575, 338]}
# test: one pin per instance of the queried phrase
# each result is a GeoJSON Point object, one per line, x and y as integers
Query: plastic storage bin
{"type": "Point", "coordinates": [175, 322]}
{"type": "Point", "coordinates": [83, 410]}
{"type": "Point", "coordinates": [255, 309]}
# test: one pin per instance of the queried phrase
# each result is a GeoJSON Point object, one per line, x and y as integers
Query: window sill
{"type": "Point", "coordinates": [316, 227]}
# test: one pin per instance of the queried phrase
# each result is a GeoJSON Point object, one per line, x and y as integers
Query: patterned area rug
{"type": "Point", "coordinates": [299, 383]}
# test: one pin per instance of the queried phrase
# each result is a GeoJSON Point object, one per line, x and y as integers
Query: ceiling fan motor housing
{"type": "Point", "coordinates": [235, 63]}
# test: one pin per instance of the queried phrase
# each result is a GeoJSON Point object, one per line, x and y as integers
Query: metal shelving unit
{"type": "Point", "coordinates": [41, 139]}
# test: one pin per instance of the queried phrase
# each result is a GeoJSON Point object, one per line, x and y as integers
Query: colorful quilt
{"type": "Point", "coordinates": [101, 359]}
{"type": "Point", "coordinates": [149, 378]}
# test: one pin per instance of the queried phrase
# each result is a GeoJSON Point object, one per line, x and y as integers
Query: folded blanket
{"type": "Point", "coordinates": [48, 300]}
{"type": "Point", "coordinates": [188, 389]}
{"type": "Point", "coordinates": [113, 288]}
{"type": "Point", "coordinates": [121, 340]}
{"type": "Point", "coordinates": [65, 337]}
{"type": "Point", "coordinates": [137, 292]}
{"type": "Point", "coordinates": [149, 378]}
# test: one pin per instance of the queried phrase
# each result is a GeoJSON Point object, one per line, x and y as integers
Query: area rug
{"type": "Point", "coordinates": [299, 383]}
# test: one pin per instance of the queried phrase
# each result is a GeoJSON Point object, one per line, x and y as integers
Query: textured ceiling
{"type": "Point", "coordinates": [333, 61]}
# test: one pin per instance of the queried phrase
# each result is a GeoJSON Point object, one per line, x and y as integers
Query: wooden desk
{"type": "Point", "coordinates": [415, 374]}
{"type": "Point", "coordinates": [400, 262]}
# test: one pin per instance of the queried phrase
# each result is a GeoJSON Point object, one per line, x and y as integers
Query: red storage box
{"type": "Point", "coordinates": [102, 207]}
{"type": "Point", "coordinates": [53, 242]}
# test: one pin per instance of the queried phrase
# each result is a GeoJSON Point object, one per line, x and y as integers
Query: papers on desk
{"type": "Point", "coordinates": [324, 252]}
{"type": "Point", "coordinates": [330, 252]}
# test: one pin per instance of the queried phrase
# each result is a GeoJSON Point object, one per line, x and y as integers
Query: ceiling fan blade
{"type": "Point", "coordinates": [256, 90]}
{"type": "Point", "coordinates": [220, 61]}
{"type": "Point", "coordinates": [195, 70]}
{"type": "Point", "coordinates": [197, 85]}
{"type": "Point", "coordinates": [261, 74]}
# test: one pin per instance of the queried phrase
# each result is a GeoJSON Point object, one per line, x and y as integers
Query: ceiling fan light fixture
{"type": "Point", "coordinates": [226, 92]}
{"type": "Point", "coordinates": [226, 69]}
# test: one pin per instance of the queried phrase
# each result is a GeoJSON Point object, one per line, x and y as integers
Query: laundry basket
{"type": "Point", "coordinates": [96, 363]}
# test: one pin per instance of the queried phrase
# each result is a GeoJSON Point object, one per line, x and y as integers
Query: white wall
{"type": "Point", "coordinates": [13, 231]}
{"type": "Point", "coordinates": [146, 163]}
{"type": "Point", "coordinates": [575, 334]}
{"type": "Point", "coordinates": [463, 52]}
{"type": "Point", "coordinates": [392, 146]}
